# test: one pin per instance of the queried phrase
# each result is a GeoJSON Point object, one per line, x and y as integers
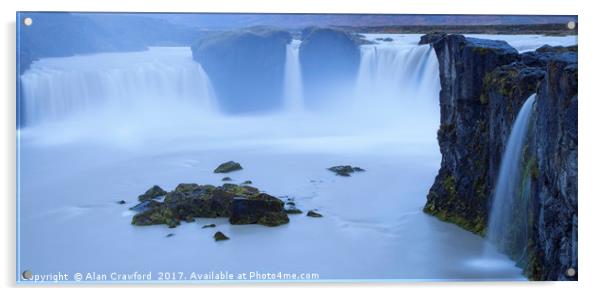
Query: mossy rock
{"type": "Point", "coordinates": [227, 167]}
{"type": "Point", "coordinates": [272, 219]}
{"type": "Point", "coordinates": [219, 236]}
{"type": "Point", "coordinates": [156, 216]}
{"type": "Point", "coordinates": [151, 193]}
{"type": "Point", "coordinates": [345, 170]}
{"type": "Point", "coordinates": [187, 187]}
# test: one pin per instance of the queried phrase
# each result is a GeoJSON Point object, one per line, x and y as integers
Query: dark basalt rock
{"type": "Point", "coordinates": [246, 68]}
{"type": "Point", "coordinates": [328, 58]}
{"type": "Point", "coordinates": [253, 209]}
{"type": "Point", "coordinates": [219, 236]}
{"type": "Point", "coordinates": [345, 170]}
{"type": "Point", "coordinates": [151, 193]}
{"type": "Point", "coordinates": [227, 167]}
{"type": "Point", "coordinates": [314, 214]}
{"type": "Point", "coordinates": [483, 86]}
{"type": "Point", "coordinates": [431, 38]}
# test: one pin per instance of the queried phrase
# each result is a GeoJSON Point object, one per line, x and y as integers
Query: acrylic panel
{"type": "Point", "coordinates": [197, 148]}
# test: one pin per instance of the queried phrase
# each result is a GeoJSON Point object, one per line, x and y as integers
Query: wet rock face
{"type": "Point", "coordinates": [246, 68]}
{"type": "Point", "coordinates": [483, 86]}
{"type": "Point", "coordinates": [328, 58]}
{"type": "Point", "coordinates": [555, 189]}
{"type": "Point", "coordinates": [242, 204]}
{"type": "Point", "coordinates": [460, 193]}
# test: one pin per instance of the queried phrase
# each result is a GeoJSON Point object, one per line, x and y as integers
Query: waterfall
{"type": "Point", "coordinates": [293, 84]}
{"type": "Point", "coordinates": [56, 88]}
{"type": "Point", "coordinates": [507, 227]}
{"type": "Point", "coordinates": [402, 76]}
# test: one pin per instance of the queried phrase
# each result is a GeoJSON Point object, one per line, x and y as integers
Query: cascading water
{"type": "Point", "coordinates": [507, 227]}
{"type": "Point", "coordinates": [400, 74]}
{"type": "Point", "coordinates": [56, 88]}
{"type": "Point", "coordinates": [293, 83]}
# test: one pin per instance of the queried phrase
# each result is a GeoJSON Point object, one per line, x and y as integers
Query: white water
{"type": "Point", "coordinates": [57, 88]}
{"type": "Point", "coordinates": [508, 202]}
{"type": "Point", "coordinates": [79, 156]}
{"type": "Point", "coordinates": [293, 81]}
{"type": "Point", "coordinates": [401, 75]}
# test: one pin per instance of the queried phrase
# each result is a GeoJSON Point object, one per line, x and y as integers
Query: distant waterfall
{"type": "Point", "coordinates": [401, 74]}
{"type": "Point", "coordinates": [293, 84]}
{"type": "Point", "coordinates": [55, 88]}
{"type": "Point", "coordinates": [507, 228]}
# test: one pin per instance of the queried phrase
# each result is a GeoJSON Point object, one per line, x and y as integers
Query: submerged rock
{"type": "Point", "coordinates": [247, 182]}
{"type": "Point", "coordinates": [153, 192]}
{"type": "Point", "coordinates": [219, 236]}
{"type": "Point", "coordinates": [314, 214]}
{"type": "Point", "coordinates": [170, 235]}
{"type": "Point", "coordinates": [345, 170]}
{"type": "Point", "coordinates": [208, 226]}
{"type": "Point", "coordinates": [226, 179]}
{"type": "Point", "coordinates": [227, 167]}
{"type": "Point", "coordinates": [121, 202]}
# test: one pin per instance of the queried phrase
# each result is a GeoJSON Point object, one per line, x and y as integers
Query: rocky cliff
{"type": "Point", "coordinates": [483, 86]}
{"type": "Point", "coordinates": [246, 68]}
{"type": "Point", "coordinates": [328, 58]}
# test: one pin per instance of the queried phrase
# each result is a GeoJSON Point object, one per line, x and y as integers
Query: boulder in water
{"type": "Point", "coordinates": [219, 236]}
{"type": "Point", "coordinates": [227, 167]}
{"type": "Point", "coordinates": [151, 193]}
{"type": "Point", "coordinates": [314, 214]}
{"type": "Point", "coordinates": [345, 170]}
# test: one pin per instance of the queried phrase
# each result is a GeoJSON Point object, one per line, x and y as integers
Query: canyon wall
{"type": "Point", "coordinates": [483, 86]}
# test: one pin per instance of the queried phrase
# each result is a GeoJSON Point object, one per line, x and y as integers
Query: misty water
{"type": "Point", "coordinates": [105, 127]}
{"type": "Point", "coordinates": [509, 209]}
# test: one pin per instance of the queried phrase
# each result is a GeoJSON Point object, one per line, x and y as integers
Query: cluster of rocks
{"type": "Point", "coordinates": [241, 204]}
